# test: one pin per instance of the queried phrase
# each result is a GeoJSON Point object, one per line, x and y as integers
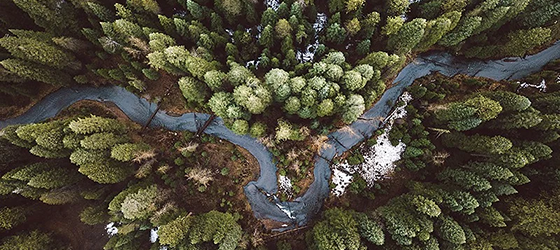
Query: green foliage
{"type": "Point", "coordinates": [522, 41]}
{"type": "Point", "coordinates": [353, 108]}
{"type": "Point", "coordinates": [449, 230]}
{"type": "Point", "coordinates": [218, 228]}
{"type": "Point", "coordinates": [408, 36]}
{"type": "Point", "coordinates": [193, 90]}
{"type": "Point", "coordinates": [140, 204]}
{"type": "Point", "coordinates": [94, 215]}
{"type": "Point", "coordinates": [477, 143]}
{"type": "Point", "coordinates": [175, 231]}
{"type": "Point", "coordinates": [254, 96]}
{"type": "Point", "coordinates": [33, 71]}
{"type": "Point", "coordinates": [240, 127]}
{"type": "Point", "coordinates": [464, 29]}
{"type": "Point", "coordinates": [11, 217]}
{"type": "Point", "coordinates": [128, 151]}
{"type": "Point", "coordinates": [101, 141]}
{"type": "Point", "coordinates": [339, 230]}
{"type": "Point", "coordinates": [37, 51]}
{"type": "Point", "coordinates": [96, 124]}
{"type": "Point", "coordinates": [34, 240]}
{"type": "Point", "coordinates": [396, 7]}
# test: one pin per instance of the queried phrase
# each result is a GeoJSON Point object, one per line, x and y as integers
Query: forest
{"type": "Point", "coordinates": [143, 158]}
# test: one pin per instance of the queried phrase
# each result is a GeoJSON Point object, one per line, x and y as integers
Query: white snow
{"type": "Point", "coordinates": [111, 229]}
{"type": "Point", "coordinates": [341, 179]}
{"type": "Point", "coordinates": [285, 184]}
{"type": "Point", "coordinates": [154, 234]}
{"type": "Point", "coordinates": [378, 160]}
{"type": "Point", "coordinates": [541, 86]}
{"type": "Point", "coordinates": [286, 210]}
{"type": "Point", "coordinates": [274, 4]}
{"type": "Point", "coordinates": [309, 53]}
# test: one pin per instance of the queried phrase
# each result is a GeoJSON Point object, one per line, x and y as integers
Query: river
{"type": "Point", "coordinates": [261, 193]}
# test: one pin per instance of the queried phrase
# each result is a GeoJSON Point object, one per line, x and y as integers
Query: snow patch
{"type": "Point", "coordinates": [541, 86]}
{"type": "Point", "coordinates": [285, 185]}
{"type": "Point", "coordinates": [341, 179]}
{"type": "Point", "coordinates": [273, 4]}
{"type": "Point", "coordinates": [286, 209]}
{"type": "Point", "coordinates": [378, 160]}
{"type": "Point", "coordinates": [309, 53]}
{"type": "Point", "coordinates": [111, 229]}
{"type": "Point", "coordinates": [154, 234]}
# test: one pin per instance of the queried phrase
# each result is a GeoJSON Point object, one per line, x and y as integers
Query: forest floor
{"type": "Point", "coordinates": [224, 193]}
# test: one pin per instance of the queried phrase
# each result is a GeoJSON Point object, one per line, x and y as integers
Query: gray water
{"type": "Point", "coordinates": [261, 193]}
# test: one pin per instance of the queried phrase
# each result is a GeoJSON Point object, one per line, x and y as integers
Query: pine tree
{"type": "Point", "coordinates": [11, 217]}
{"type": "Point", "coordinates": [37, 72]}
{"type": "Point", "coordinates": [106, 172]}
{"type": "Point", "coordinates": [175, 231]}
{"type": "Point", "coordinates": [193, 90]}
{"type": "Point", "coordinates": [94, 215]}
{"type": "Point", "coordinates": [60, 196]}
{"type": "Point", "coordinates": [254, 96]}
{"type": "Point", "coordinates": [103, 13]}
{"type": "Point", "coordinates": [353, 108]}
{"type": "Point", "coordinates": [101, 141]}
{"type": "Point", "coordinates": [277, 80]}
{"type": "Point", "coordinates": [218, 228]}
{"type": "Point", "coordinates": [96, 124]}
{"type": "Point", "coordinates": [396, 7]}
{"type": "Point", "coordinates": [240, 127]}
{"type": "Point", "coordinates": [435, 30]}
{"type": "Point", "coordinates": [33, 240]}
{"type": "Point", "coordinates": [464, 29]}
{"type": "Point", "coordinates": [336, 34]}
{"type": "Point", "coordinates": [128, 151]}
{"type": "Point", "coordinates": [522, 41]}
{"type": "Point", "coordinates": [36, 51]}
{"type": "Point", "coordinates": [408, 36]}
{"type": "Point", "coordinates": [54, 178]}
{"type": "Point", "coordinates": [477, 143]}
{"type": "Point", "coordinates": [141, 204]}
{"type": "Point", "coordinates": [338, 230]}
{"type": "Point", "coordinates": [448, 229]}
{"type": "Point", "coordinates": [55, 17]}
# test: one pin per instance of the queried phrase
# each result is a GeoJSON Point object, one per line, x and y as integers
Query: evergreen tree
{"type": "Point", "coordinates": [11, 217]}
{"type": "Point", "coordinates": [37, 51]}
{"type": "Point", "coordinates": [477, 143]}
{"type": "Point", "coordinates": [101, 141]}
{"type": "Point", "coordinates": [33, 71]}
{"type": "Point", "coordinates": [464, 29]}
{"type": "Point", "coordinates": [34, 240]}
{"type": "Point", "coordinates": [55, 17]}
{"type": "Point", "coordinates": [338, 230]}
{"type": "Point", "coordinates": [193, 90]}
{"type": "Point", "coordinates": [396, 7]}
{"type": "Point", "coordinates": [522, 41]}
{"type": "Point", "coordinates": [408, 36]}
{"type": "Point", "coordinates": [128, 151]}
{"type": "Point", "coordinates": [96, 124]}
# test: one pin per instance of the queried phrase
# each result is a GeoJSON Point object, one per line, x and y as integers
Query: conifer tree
{"type": "Point", "coordinates": [36, 51]}
{"type": "Point", "coordinates": [96, 124]}
{"type": "Point", "coordinates": [33, 71]}
{"type": "Point", "coordinates": [33, 240]}
{"type": "Point", "coordinates": [193, 90]}
{"type": "Point", "coordinates": [408, 36]}
{"type": "Point", "coordinates": [11, 217]}
{"type": "Point", "coordinates": [55, 17]}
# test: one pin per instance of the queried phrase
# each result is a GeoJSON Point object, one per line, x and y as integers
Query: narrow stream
{"type": "Point", "coordinates": [261, 193]}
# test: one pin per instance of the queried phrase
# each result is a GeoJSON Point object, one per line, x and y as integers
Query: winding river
{"type": "Point", "coordinates": [261, 193]}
